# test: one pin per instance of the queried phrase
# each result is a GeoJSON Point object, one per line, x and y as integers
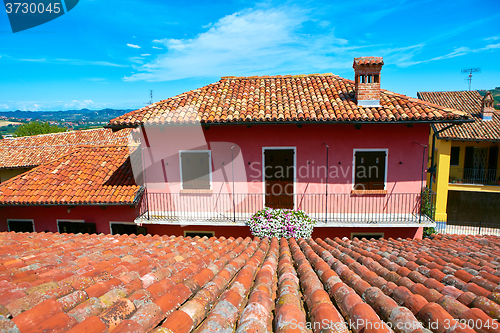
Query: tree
{"type": "Point", "coordinates": [36, 128]}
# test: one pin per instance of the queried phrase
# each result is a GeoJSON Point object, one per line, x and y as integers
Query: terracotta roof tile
{"type": "Point", "coordinates": [309, 98]}
{"type": "Point", "coordinates": [470, 103]}
{"type": "Point", "coordinates": [369, 61]}
{"type": "Point", "coordinates": [88, 175]}
{"type": "Point", "coordinates": [31, 151]}
{"type": "Point", "coordinates": [246, 285]}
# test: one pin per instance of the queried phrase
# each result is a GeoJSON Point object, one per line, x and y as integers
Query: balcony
{"type": "Point", "coordinates": [474, 176]}
{"type": "Point", "coordinates": [332, 210]}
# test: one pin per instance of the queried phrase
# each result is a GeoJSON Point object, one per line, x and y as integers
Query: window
{"type": "Point", "coordinates": [195, 170]}
{"type": "Point", "coordinates": [368, 236]}
{"type": "Point", "coordinates": [455, 156]}
{"type": "Point", "coordinates": [127, 229]}
{"type": "Point", "coordinates": [21, 225]}
{"type": "Point", "coordinates": [75, 227]}
{"type": "Point", "coordinates": [369, 170]}
{"type": "Point", "coordinates": [201, 234]}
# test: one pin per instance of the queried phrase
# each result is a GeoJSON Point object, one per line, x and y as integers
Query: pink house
{"type": "Point", "coordinates": [348, 153]}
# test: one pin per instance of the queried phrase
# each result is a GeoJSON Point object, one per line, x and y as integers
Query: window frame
{"type": "Point", "coordinates": [263, 167]}
{"type": "Point", "coordinates": [20, 220]}
{"type": "Point", "coordinates": [364, 234]}
{"type": "Point", "coordinates": [458, 157]}
{"type": "Point", "coordinates": [209, 168]}
{"type": "Point", "coordinates": [118, 222]}
{"type": "Point", "coordinates": [354, 151]}
{"type": "Point", "coordinates": [71, 221]}
{"type": "Point", "coordinates": [212, 233]}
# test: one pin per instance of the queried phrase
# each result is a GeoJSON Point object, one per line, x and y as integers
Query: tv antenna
{"type": "Point", "coordinates": [150, 98]}
{"type": "Point", "coordinates": [470, 71]}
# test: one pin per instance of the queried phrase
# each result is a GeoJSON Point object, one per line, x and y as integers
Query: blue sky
{"type": "Point", "coordinates": [111, 53]}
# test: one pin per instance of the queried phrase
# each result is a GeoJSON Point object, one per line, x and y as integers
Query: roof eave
{"type": "Point", "coordinates": [247, 123]}
{"type": "Point", "coordinates": [116, 128]}
{"type": "Point", "coordinates": [467, 139]}
{"type": "Point", "coordinates": [137, 197]}
{"type": "Point", "coordinates": [68, 204]}
{"type": "Point", "coordinates": [19, 167]}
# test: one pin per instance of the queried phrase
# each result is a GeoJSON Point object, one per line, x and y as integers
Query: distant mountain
{"type": "Point", "coordinates": [68, 115]}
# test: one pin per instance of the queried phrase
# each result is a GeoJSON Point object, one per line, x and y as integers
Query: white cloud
{"type": "Point", "coordinates": [65, 105]}
{"type": "Point", "coordinates": [134, 46]}
{"type": "Point", "coordinates": [457, 52]}
{"type": "Point", "coordinates": [284, 40]}
{"type": "Point", "coordinates": [97, 79]}
{"type": "Point", "coordinates": [137, 60]}
{"type": "Point", "coordinates": [157, 48]}
{"type": "Point", "coordinates": [76, 62]}
{"type": "Point", "coordinates": [48, 105]}
{"type": "Point", "coordinates": [145, 55]}
{"type": "Point", "coordinates": [75, 104]}
{"type": "Point", "coordinates": [493, 38]}
{"type": "Point", "coordinates": [254, 41]}
{"type": "Point", "coordinates": [489, 47]}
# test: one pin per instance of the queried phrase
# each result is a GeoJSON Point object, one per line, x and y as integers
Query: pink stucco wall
{"type": "Point", "coordinates": [404, 162]}
{"type": "Point", "coordinates": [400, 141]}
{"type": "Point", "coordinates": [322, 232]}
{"type": "Point", "coordinates": [45, 218]}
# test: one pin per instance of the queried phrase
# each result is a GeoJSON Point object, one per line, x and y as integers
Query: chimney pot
{"type": "Point", "coordinates": [367, 78]}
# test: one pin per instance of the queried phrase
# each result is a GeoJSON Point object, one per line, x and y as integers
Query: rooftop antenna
{"type": "Point", "coordinates": [470, 71]}
{"type": "Point", "coordinates": [150, 98]}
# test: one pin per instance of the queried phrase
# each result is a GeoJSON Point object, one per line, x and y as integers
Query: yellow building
{"type": "Point", "coordinates": [466, 178]}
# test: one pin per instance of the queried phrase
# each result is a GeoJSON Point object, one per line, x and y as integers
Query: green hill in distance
{"type": "Point", "coordinates": [86, 115]}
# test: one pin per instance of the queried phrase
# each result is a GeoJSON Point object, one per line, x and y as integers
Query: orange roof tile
{"type": "Point", "coordinates": [369, 61]}
{"type": "Point", "coordinates": [300, 98]}
{"type": "Point", "coordinates": [470, 103]}
{"type": "Point", "coordinates": [102, 283]}
{"type": "Point", "coordinates": [30, 151]}
{"type": "Point", "coordinates": [87, 175]}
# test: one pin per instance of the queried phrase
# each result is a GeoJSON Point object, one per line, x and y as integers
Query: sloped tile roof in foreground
{"type": "Point", "coordinates": [285, 99]}
{"type": "Point", "coordinates": [104, 283]}
{"type": "Point", "coordinates": [30, 151]}
{"type": "Point", "coordinates": [87, 175]}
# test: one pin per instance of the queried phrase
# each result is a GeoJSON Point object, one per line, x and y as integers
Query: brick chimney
{"type": "Point", "coordinates": [487, 109]}
{"type": "Point", "coordinates": [367, 78]}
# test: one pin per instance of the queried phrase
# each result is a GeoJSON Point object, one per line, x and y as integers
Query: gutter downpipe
{"type": "Point", "coordinates": [326, 188]}
{"type": "Point", "coordinates": [143, 130]}
{"type": "Point", "coordinates": [232, 171]}
{"type": "Point", "coordinates": [421, 181]}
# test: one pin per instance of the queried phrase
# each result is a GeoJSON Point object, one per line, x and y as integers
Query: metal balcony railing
{"type": "Point", "coordinates": [468, 228]}
{"type": "Point", "coordinates": [476, 176]}
{"type": "Point", "coordinates": [226, 207]}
